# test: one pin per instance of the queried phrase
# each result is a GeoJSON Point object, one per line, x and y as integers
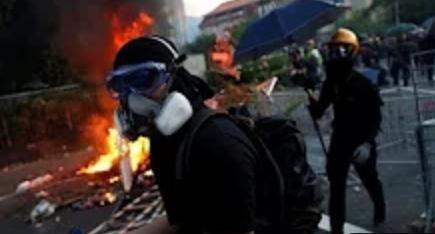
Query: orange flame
{"type": "Point", "coordinates": [138, 152]}
{"type": "Point", "coordinates": [122, 34]}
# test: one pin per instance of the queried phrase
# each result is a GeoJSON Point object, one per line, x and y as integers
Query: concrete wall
{"type": "Point", "coordinates": [196, 64]}
{"type": "Point", "coordinates": [177, 19]}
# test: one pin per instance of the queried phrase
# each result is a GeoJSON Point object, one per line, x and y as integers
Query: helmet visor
{"type": "Point", "coordinates": [144, 78]}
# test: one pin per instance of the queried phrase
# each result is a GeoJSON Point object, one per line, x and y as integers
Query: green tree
{"type": "Point", "coordinates": [202, 44]}
{"type": "Point", "coordinates": [375, 19]}
{"type": "Point", "coordinates": [6, 8]}
{"type": "Point", "coordinates": [381, 15]}
{"type": "Point", "coordinates": [238, 31]}
{"type": "Point", "coordinates": [415, 11]}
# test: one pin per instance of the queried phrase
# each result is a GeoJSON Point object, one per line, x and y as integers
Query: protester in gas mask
{"type": "Point", "coordinates": [357, 110]}
{"type": "Point", "coordinates": [209, 185]}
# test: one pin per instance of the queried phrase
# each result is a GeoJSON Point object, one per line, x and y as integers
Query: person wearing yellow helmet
{"type": "Point", "coordinates": [345, 37]}
{"type": "Point", "coordinates": [357, 117]}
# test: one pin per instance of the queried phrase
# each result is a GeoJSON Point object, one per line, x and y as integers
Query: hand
{"type": "Point", "coordinates": [309, 84]}
{"type": "Point", "coordinates": [362, 153]}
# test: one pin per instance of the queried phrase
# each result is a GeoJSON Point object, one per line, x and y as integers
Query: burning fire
{"type": "Point", "coordinates": [138, 152]}
{"type": "Point", "coordinates": [123, 33]}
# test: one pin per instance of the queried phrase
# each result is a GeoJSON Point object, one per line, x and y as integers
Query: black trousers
{"type": "Point", "coordinates": [338, 163]}
{"type": "Point", "coordinates": [400, 70]}
{"type": "Point", "coordinates": [430, 75]}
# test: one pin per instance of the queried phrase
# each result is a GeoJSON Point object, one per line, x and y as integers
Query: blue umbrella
{"type": "Point", "coordinates": [291, 23]}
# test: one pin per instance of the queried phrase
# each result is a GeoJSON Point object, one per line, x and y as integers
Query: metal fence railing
{"type": "Point", "coordinates": [425, 130]}
{"type": "Point", "coordinates": [425, 135]}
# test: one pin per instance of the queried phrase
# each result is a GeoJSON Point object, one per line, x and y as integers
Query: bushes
{"type": "Point", "coordinates": [269, 66]}
{"type": "Point", "coordinates": [57, 117]}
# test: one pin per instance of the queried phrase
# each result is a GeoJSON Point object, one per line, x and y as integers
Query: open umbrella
{"type": "Point", "coordinates": [295, 22]}
{"type": "Point", "coordinates": [402, 28]}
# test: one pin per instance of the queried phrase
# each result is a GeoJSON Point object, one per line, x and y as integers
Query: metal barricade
{"type": "Point", "coordinates": [425, 135]}
{"type": "Point", "coordinates": [425, 130]}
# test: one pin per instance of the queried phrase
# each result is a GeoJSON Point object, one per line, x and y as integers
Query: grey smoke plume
{"type": "Point", "coordinates": [85, 28]}
{"type": "Point", "coordinates": [32, 32]}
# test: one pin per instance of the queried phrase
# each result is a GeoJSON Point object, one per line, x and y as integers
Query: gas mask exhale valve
{"type": "Point", "coordinates": [145, 114]}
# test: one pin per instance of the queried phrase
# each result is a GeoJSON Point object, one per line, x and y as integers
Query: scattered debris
{"type": "Point", "coordinates": [31, 184]}
{"type": "Point", "coordinates": [42, 194]}
{"type": "Point", "coordinates": [145, 179]}
{"type": "Point", "coordinates": [423, 215]}
{"type": "Point", "coordinates": [148, 174]}
{"type": "Point", "coordinates": [5, 169]}
{"type": "Point", "coordinates": [140, 211]}
{"type": "Point", "coordinates": [76, 231]}
{"type": "Point", "coordinates": [110, 197]}
{"type": "Point", "coordinates": [357, 189]}
{"type": "Point", "coordinates": [101, 198]}
{"type": "Point", "coordinates": [42, 210]}
{"type": "Point", "coordinates": [114, 180]}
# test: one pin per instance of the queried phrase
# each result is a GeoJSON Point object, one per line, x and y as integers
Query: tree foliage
{"type": "Point", "coordinates": [201, 45]}
{"type": "Point", "coordinates": [6, 7]}
{"type": "Point", "coordinates": [27, 33]}
{"type": "Point", "coordinates": [381, 15]}
{"type": "Point", "coordinates": [414, 11]}
{"type": "Point", "coordinates": [237, 32]}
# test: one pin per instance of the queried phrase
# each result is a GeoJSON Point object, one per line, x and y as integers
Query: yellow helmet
{"type": "Point", "coordinates": [346, 36]}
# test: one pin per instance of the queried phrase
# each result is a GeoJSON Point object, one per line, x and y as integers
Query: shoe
{"type": "Point", "coordinates": [379, 217]}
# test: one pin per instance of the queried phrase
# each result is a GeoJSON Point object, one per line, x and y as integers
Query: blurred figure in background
{"type": "Point", "coordinates": [428, 43]}
{"type": "Point", "coordinates": [371, 61]}
{"type": "Point", "coordinates": [402, 59]}
{"type": "Point", "coordinates": [314, 62]}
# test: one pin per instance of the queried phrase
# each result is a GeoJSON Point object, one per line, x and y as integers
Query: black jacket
{"type": "Point", "coordinates": [220, 193]}
{"type": "Point", "coordinates": [356, 103]}
{"type": "Point", "coordinates": [428, 43]}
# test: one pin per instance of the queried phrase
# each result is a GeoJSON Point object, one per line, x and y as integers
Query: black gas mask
{"type": "Point", "coordinates": [145, 104]}
{"type": "Point", "coordinates": [340, 60]}
{"type": "Point", "coordinates": [144, 72]}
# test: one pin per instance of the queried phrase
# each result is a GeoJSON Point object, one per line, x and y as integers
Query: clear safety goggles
{"type": "Point", "coordinates": [143, 78]}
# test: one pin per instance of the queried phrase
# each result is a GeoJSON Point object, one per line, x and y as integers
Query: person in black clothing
{"type": "Point", "coordinates": [356, 104]}
{"type": "Point", "coordinates": [302, 70]}
{"type": "Point", "coordinates": [402, 60]}
{"type": "Point", "coordinates": [427, 44]}
{"type": "Point", "coordinates": [221, 193]}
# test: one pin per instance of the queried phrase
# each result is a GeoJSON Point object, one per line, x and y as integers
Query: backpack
{"type": "Point", "coordinates": [288, 179]}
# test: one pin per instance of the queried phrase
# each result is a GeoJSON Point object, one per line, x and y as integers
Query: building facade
{"type": "Point", "coordinates": [232, 13]}
{"type": "Point", "coordinates": [176, 17]}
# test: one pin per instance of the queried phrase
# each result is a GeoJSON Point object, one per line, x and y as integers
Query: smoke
{"type": "Point", "coordinates": [86, 26]}
{"type": "Point", "coordinates": [85, 37]}
{"type": "Point", "coordinates": [81, 31]}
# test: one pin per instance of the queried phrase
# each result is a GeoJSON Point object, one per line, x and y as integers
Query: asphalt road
{"type": "Point", "coordinates": [399, 171]}
{"type": "Point", "coordinates": [62, 222]}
